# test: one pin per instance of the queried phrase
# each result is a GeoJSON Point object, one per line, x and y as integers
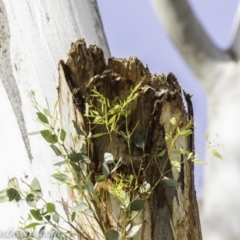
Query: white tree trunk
{"type": "Point", "coordinates": [219, 73]}
{"type": "Point", "coordinates": [35, 35]}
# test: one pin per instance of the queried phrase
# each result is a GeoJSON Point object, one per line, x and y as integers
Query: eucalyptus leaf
{"type": "Point", "coordinates": [49, 137]}
{"type": "Point", "coordinates": [100, 178]}
{"type": "Point", "coordinates": [80, 207]}
{"type": "Point", "coordinates": [61, 177]}
{"type": "Point", "coordinates": [134, 230]}
{"type": "Point", "coordinates": [108, 158]}
{"type": "Point", "coordinates": [35, 186]}
{"type": "Point", "coordinates": [171, 182]}
{"type": "Point", "coordinates": [42, 117]}
{"type": "Point", "coordinates": [56, 150]}
{"type": "Point", "coordinates": [13, 194]}
{"type": "Point", "coordinates": [216, 154]}
{"type": "Point", "coordinates": [41, 233]}
{"type": "Point", "coordinates": [36, 214]}
{"type": "Point", "coordinates": [173, 121]}
{"type": "Point", "coordinates": [185, 133]}
{"type": "Point", "coordinates": [31, 200]}
{"type": "Point", "coordinates": [75, 157]}
{"type": "Point", "coordinates": [59, 163]}
{"type": "Point", "coordinates": [55, 217]}
{"type": "Point", "coordinates": [50, 207]}
{"type": "Point", "coordinates": [32, 225]}
{"type": "Point", "coordinates": [112, 234]}
{"type": "Point", "coordinates": [62, 135]}
{"type": "Point", "coordinates": [137, 205]}
{"type": "Point", "coordinates": [78, 129]}
{"type": "Point", "coordinates": [139, 140]}
{"type": "Point", "coordinates": [105, 169]}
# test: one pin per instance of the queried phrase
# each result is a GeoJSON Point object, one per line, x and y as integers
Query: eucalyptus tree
{"type": "Point", "coordinates": [218, 72]}
{"type": "Point", "coordinates": [153, 136]}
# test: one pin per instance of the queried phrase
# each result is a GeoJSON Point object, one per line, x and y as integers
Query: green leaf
{"type": "Point", "coordinates": [105, 169]}
{"type": "Point", "coordinates": [176, 164]}
{"type": "Point", "coordinates": [59, 163]}
{"type": "Point", "coordinates": [108, 158]}
{"type": "Point", "coordinates": [173, 121]}
{"type": "Point", "coordinates": [50, 207]}
{"type": "Point", "coordinates": [36, 214]}
{"type": "Point", "coordinates": [13, 194]}
{"type": "Point", "coordinates": [32, 225]}
{"type": "Point", "coordinates": [139, 140]}
{"type": "Point", "coordinates": [31, 200]}
{"type": "Point", "coordinates": [134, 230]}
{"type": "Point", "coordinates": [32, 133]}
{"type": "Point", "coordinates": [35, 186]}
{"type": "Point", "coordinates": [3, 196]}
{"type": "Point", "coordinates": [56, 150]}
{"type": "Point", "coordinates": [46, 112]}
{"type": "Point", "coordinates": [111, 234]}
{"type": "Point", "coordinates": [197, 161]}
{"type": "Point", "coordinates": [216, 154]}
{"type": "Point", "coordinates": [49, 137]}
{"type": "Point", "coordinates": [75, 167]}
{"type": "Point", "coordinates": [41, 233]}
{"type": "Point", "coordinates": [97, 135]}
{"type": "Point", "coordinates": [75, 157]}
{"type": "Point", "coordinates": [81, 207]}
{"type": "Point", "coordinates": [61, 177]}
{"type": "Point", "coordinates": [185, 133]}
{"type": "Point", "coordinates": [89, 185]}
{"type": "Point", "coordinates": [171, 182]}
{"type": "Point", "coordinates": [145, 187]}
{"type": "Point", "coordinates": [55, 217]}
{"type": "Point", "coordinates": [78, 129]}
{"type": "Point", "coordinates": [62, 135]}
{"type": "Point", "coordinates": [181, 151]}
{"type": "Point", "coordinates": [162, 153]}
{"type": "Point", "coordinates": [42, 117]}
{"type": "Point", "coordinates": [137, 205]}
{"type": "Point", "coordinates": [100, 178]}
{"type": "Point", "coordinates": [73, 216]}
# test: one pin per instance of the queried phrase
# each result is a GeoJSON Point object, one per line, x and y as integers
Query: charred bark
{"type": "Point", "coordinates": [170, 212]}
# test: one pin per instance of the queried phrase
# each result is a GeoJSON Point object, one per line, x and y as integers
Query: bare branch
{"type": "Point", "coordinates": [235, 49]}
{"type": "Point", "coordinates": [203, 57]}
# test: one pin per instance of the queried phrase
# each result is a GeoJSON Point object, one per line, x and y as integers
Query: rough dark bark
{"type": "Point", "coordinates": [170, 212]}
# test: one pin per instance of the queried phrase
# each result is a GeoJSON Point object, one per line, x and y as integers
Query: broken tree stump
{"type": "Point", "coordinates": [170, 212]}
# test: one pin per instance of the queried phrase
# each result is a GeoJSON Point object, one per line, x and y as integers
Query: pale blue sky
{"type": "Point", "coordinates": [133, 29]}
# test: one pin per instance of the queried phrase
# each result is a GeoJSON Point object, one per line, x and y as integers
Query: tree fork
{"type": "Point", "coordinates": [169, 212]}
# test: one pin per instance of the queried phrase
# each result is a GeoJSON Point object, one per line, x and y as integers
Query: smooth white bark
{"type": "Point", "coordinates": [219, 73]}
{"type": "Point", "coordinates": [38, 34]}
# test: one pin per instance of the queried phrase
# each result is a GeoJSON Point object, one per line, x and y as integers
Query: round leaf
{"type": "Point", "coordinates": [112, 234]}
{"type": "Point", "coordinates": [13, 194]}
{"type": "Point", "coordinates": [137, 205]}
{"type": "Point", "coordinates": [139, 140]}
{"type": "Point", "coordinates": [31, 200]}
{"type": "Point", "coordinates": [50, 207]}
{"type": "Point", "coordinates": [108, 158]}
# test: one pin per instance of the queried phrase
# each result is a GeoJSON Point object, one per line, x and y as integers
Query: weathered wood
{"type": "Point", "coordinates": [170, 212]}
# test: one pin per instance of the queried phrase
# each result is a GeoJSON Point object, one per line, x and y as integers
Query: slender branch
{"type": "Point", "coordinates": [203, 57]}
{"type": "Point", "coordinates": [235, 48]}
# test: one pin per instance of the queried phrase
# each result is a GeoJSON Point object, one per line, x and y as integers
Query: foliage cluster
{"type": "Point", "coordinates": [75, 172]}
